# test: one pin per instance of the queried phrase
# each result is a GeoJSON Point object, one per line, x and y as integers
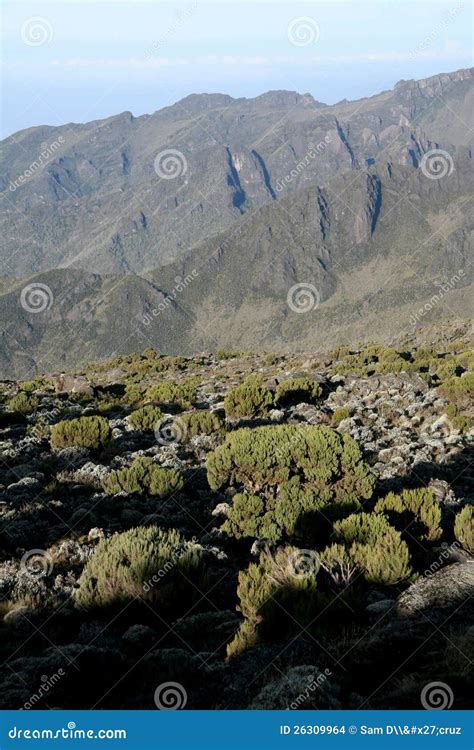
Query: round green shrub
{"type": "Point", "coordinates": [143, 477]}
{"type": "Point", "coordinates": [24, 403]}
{"type": "Point", "coordinates": [375, 547]}
{"type": "Point", "coordinates": [149, 563]}
{"type": "Point", "coordinates": [250, 399]}
{"type": "Point", "coordinates": [182, 395]}
{"type": "Point", "coordinates": [145, 418]}
{"type": "Point", "coordinates": [88, 432]}
{"type": "Point", "coordinates": [287, 473]}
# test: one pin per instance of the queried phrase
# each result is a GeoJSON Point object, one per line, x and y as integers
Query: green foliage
{"type": "Point", "coordinates": [250, 399]}
{"type": "Point", "coordinates": [199, 423]}
{"type": "Point", "coordinates": [298, 390]}
{"type": "Point", "coordinates": [273, 599]}
{"type": "Point", "coordinates": [418, 504]}
{"type": "Point", "coordinates": [288, 473]}
{"type": "Point", "coordinates": [375, 547]}
{"type": "Point", "coordinates": [145, 418]}
{"type": "Point", "coordinates": [181, 395]}
{"type": "Point", "coordinates": [459, 391]}
{"type": "Point", "coordinates": [151, 563]}
{"type": "Point", "coordinates": [28, 386]}
{"type": "Point", "coordinates": [143, 477]}
{"type": "Point", "coordinates": [24, 403]}
{"type": "Point", "coordinates": [464, 528]}
{"type": "Point", "coordinates": [88, 432]}
{"type": "Point", "coordinates": [342, 412]}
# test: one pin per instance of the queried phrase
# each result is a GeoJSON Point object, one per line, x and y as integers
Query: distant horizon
{"type": "Point", "coordinates": [239, 98]}
{"type": "Point", "coordinates": [80, 60]}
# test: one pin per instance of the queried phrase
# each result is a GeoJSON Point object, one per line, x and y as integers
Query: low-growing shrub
{"type": "Point", "coordinates": [88, 432]}
{"type": "Point", "coordinates": [287, 473]}
{"type": "Point", "coordinates": [199, 423]}
{"type": "Point", "coordinates": [250, 399]}
{"type": "Point", "coordinates": [142, 477]}
{"type": "Point", "coordinates": [145, 418]}
{"type": "Point", "coordinates": [150, 563]}
{"type": "Point", "coordinates": [298, 390]}
{"type": "Point", "coordinates": [24, 403]}
{"type": "Point", "coordinates": [182, 395]}
{"type": "Point", "coordinates": [464, 528]}
{"type": "Point", "coordinates": [419, 505]}
{"type": "Point", "coordinates": [28, 386]}
{"type": "Point", "coordinates": [375, 547]}
{"type": "Point", "coordinates": [342, 412]}
{"type": "Point", "coordinates": [273, 600]}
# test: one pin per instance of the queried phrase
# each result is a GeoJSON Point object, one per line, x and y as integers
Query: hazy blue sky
{"type": "Point", "coordinates": [76, 61]}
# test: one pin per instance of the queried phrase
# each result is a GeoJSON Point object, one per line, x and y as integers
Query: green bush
{"type": "Point", "coordinates": [417, 504]}
{"type": "Point", "coordinates": [273, 600]}
{"type": "Point", "coordinates": [143, 477]}
{"type": "Point", "coordinates": [464, 528]}
{"type": "Point", "coordinates": [145, 418]}
{"type": "Point", "coordinates": [342, 412]}
{"type": "Point", "coordinates": [199, 423]}
{"type": "Point", "coordinates": [298, 390]}
{"type": "Point", "coordinates": [250, 399]}
{"type": "Point", "coordinates": [88, 432]}
{"type": "Point", "coordinates": [24, 403]}
{"type": "Point", "coordinates": [182, 395]}
{"type": "Point", "coordinates": [375, 547]}
{"type": "Point", "coordinates": [287, 473]}
{"type": "Point", "coordinates": [150, 563]}
{"type": "Point", "coordinates": [28, 386]}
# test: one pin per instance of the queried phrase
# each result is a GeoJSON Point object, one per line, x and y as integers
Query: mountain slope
{"type": "Point", "coordinates": [374, 245]}
{"type": "Point", "coordinates": [94, 199]}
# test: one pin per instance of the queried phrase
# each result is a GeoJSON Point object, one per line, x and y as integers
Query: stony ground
{"type": "Point", "coordinates": [53, 512]}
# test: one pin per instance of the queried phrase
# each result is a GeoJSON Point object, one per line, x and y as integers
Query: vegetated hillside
{"type": "Point", "coordinates": [375, 246]}
{"type": "Point", "coordinates": [261, 531]}
{"type": "Point", "coordinates": [97, 202]}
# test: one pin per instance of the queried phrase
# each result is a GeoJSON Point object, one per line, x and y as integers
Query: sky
{"type": "Point", "coordinates": [69, 61]}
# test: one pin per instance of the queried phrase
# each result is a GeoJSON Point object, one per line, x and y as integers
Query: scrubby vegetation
{"type": "Point", "coordinates": [292, 476]}
{"type": "Point", "coordinates": [464, 528]}
{"type": "Point", "coordinates": [250, 399]}
{"type": "Point", "coordinates": [143, 476]}
{"type": "Point", "coordinates": [151, 564]}
{"type": "Point", "coordinates": [237, 523]}
{"type": "Point", "coordinates": [85, 432]}
{"type": "Point", "coordinates": [167, 393]}
{"type": "Point", "coordinates": [146, 418]}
